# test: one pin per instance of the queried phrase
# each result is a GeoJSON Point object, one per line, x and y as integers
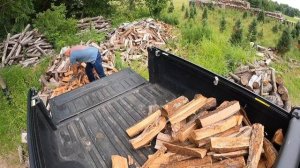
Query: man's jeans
{"type": "Point", "coordinates": [98, 67]}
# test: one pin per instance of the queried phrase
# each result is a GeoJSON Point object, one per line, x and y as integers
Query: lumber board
{"type": "Point", "coordinates": [256, 145]}
{"type": "Point", "coordinates": [141, 125]}
{"type": "Point", "coordinates": [270, 153]}
{"type": "Point", "coordinates": [229, 144]}
{"type": "Point", "coordinates": [119, 161]}
{"type": "Point", "coordinates": [200, 163]}
{"type": "Point", "coordinates": [217, 127]}
{"type": "Point", "coordinates": [169, 108]}
{"type": "Point", "coordinates": [220, 114]}
{"type": "Point", "coordinates": [196, 152]}
{"type": "Point", "coordinates": [187, 110]}
{"type": "Point", "coordinates": [149, 133]}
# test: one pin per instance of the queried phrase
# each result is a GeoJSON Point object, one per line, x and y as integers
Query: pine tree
{"type": "Point", "coordinates": [204, 15]}
{"type": "Point", "coordinates": [182, 7]}
{"type": "Point", "coordinates": [275, 29]}
{"type": "Point", "coordinates": [222, 24]}
{"type": "Point", "coordinates": [284, 43]}
{"type": "Point", "coordinates": [245, 15]}
{"type": "Point", "coordinates": [297, 29]}
{"type": "Point", "coordinates": [261, 16]}
{"type": "Point", "coordinates": [237, 34]}
{"type": "Point", "coordinates": [187, 14]}
{"type": "Point", "coordinates": [252, 32]}
{"type": "Point", "coordinates": [171, 7]}
{"type": "Point", "coordinates": [192, 13]}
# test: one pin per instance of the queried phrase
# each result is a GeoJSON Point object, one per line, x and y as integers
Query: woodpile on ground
{"type": "Point", "coordinates": [99, 24]}
{"type": "Point", "coordinates": [60, 78]}
{"type": "Point", "coordinates": [25, 48]}
{"type": "Point", "coordinates": [133, 39]}
{"type": "Point", "coordinates": [197, 133]}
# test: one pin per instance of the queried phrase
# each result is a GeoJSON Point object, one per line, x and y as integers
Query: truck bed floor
{"type": "Point", "coordinates": [92, 120]}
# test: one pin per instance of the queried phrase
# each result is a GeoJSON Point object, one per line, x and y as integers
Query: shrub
{"type": "Point", "coordinates": [195, 33]}
{"type": "Point", "coordinates": [245, 15]}
{"type": "Point", "coordinates": [275, 29]}
{"type": "Point", "coordinates": [156, 6]}
{"type": "Point", "coordinates": [284, 43]}
{"type": "Point", "coordinates": [294, 33]}
{"type": "Point", "coordinates": [171, 7]}
{"type": "Point", "coordinates": [204, 15]}
{"type": "Point", "coordinates": [169, 19]}
{"type": "Point", "coordinates": [193, 12]}
{"type": "Point", "coordinates": [182, 7]}
{"type": "Point", "coordinates": [261, 34]}
{"type": "Point", "coordinates": [187, 14]}
{"type": "Point", "coordinates": [237, 33]}
{"type": "Point", "coordinates": [261, 16]}
{"type": "Point", "coordinates": [56, 27]}
{"type": "Point", "coordinates": [222, 24]}
{"type": "Point", "coordinates": [252, 32]}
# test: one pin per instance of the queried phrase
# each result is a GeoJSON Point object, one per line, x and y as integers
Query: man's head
{"type": "Point", "coordinates": [65, 51]}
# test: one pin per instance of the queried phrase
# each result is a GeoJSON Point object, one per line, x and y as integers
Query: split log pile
{"type": "Point", "coordinates": [198, 134]}
{"type": "Point", "coordinates": [25, 48]}
{"type": "Point", "coordinates": [60, 78]}
{"type": "Point", "coordinates": [263, 81]}
{"type": "Point", "coordinates": [133, 39]}
{"type": "Point", "coordinates": [99, 23]}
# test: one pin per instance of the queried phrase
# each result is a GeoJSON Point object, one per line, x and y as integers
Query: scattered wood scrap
{"type": "Point", "coordinates": [98, 23]}
{"type": "Point", "coordinates": [205, 141]}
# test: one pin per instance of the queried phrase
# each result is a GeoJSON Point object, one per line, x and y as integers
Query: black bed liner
{"type": "Point", "coordinates": [86, 126]}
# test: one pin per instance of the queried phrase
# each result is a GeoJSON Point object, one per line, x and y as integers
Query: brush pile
{"type": "Point", "coordinates": [197, 133]}
{"type": "Point", "coordinates": [25, 48]}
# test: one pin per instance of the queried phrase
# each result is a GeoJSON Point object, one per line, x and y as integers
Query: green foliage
{"type": "Point", "coordinates": [237, 33]}
{"type": "Point", "coordinates": [15, 15]}
{"type": "Point", "coordinates": [297, 29]}
{"type": "Point", "coordinates": [294, 33]}
{"type": "Point", "coordinates": [284, 43]}
{"type": "Point", "coordinates": [56, 27]}
{"type": "Point", "coordinates": [275, 29]}
{"type": "Point", "coordinates": [187, 14]}
{"type": "Point", "coordinates": [119, 63]}
{"type": "Point", "coordinates": [204, 14]}
{"type": "Point", "coordinates": [222, 24]}
{"type": "Point", "coordinates": [261, 34]}
{"type": "Point", "coordinates": [261, 16]}
{"type": "Point", "coordinates": [171, 7]}
{"type": "Point", "coordinates": [169, 19]}
{"type": "Point", "coordinates": [193, 33]}
{"type": "Point", "coordinates": [252, 31]}
{"type": "Point", "coordinates": [156, 6]}
{"type": "Point", "coordinates": [245, 15]}
{"type": "Point", "coordinates": [182, 7]}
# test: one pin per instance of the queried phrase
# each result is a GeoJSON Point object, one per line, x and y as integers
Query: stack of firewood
{"type": "Point", "coordinates": [60, 78]}
{"type": "Point", "coordinates": [99, 23]}
{"type": "Point", "coordinates": [25, 48]}
{"type": "Point", "coordinates": [132, 39]}
{"type": "Point", "coordinates": [199, 134]}
{"type": "Point", "coordinates": [263, 81]}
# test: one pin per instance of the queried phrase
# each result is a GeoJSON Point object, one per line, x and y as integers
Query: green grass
{"type": "Point", "coordinates": [292, 19]}
{"type": "Point", "coordinates": [13, 116]}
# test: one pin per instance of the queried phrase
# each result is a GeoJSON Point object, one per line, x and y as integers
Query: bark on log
{"type": "Point", "coordinates": [287, 106]}
{"type": "Point", "coordinates": [282, 90]}
{"type": "Point", "coordinates": [5, 50]}
{"type": "Point", "coordinates": [245, 78]}
{"type": "Point", "coordinates": [235, 77]}
{"type": "Point", "coordinates": [273, 76]}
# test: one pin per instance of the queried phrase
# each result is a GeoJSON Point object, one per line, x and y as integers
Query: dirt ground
{"type": "Point", "coordinates": [10, 161]}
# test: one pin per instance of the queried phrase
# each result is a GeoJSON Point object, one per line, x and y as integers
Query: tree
{"type": "Point", "coordinates": [252, 31]}
{"type": "Point", "coordinates": [245, 15]}
{"type": "Point", "coordinates": [15, 15]}
{"type": "Point", "coordinates": [275, 29]}
{"type": "Point", "coordinates": [192, 13]}
{"type": "Point", "coordinates": [297, 29]}
{"type": "Point", "coordinates": [237, 34]}
{"type": "Point", "coordinates": [182, 7]}
{"type": "Point", "coordinates": [171, 7]}
{"type": "Point", "coordinates": [284, 43]}
{"type": "Point", "coordinates": [261, 16]}
{"type": "Point", "coordinates": [294, 33]}
{"type": "Point", "coordinates": [222, 24]}
{"type": "Point", "coordinates": [204, 15]}
{"type": "Point", "coordinates": [156, 6]}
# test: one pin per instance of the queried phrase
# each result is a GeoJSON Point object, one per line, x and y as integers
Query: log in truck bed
{"type": "Point", "coordinates": [84, 127]}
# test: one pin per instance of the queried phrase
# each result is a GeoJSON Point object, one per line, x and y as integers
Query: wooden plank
{"type": "Point", "coordinates": [200, 163]}
{"type": "Point", "coordinates": [149, 133]}
{"type": "Point", "coordinates": [196, 152]}
{"type": "Point", "coordinates": [220, 114]}
{"type": "Point", "coordinates": [270, 153]}
{"type": "Point", "coordinates": [217, 127]}
{"type": "Point", "coordinates": [169, 108]}
{"type": "Point", "coordinates": [229, 144]}
{"type": "Point", "coordinates": [256, 145]}
{"type": "Point", "coordinates": [119, 161]}
{"type": "Point", "coordinates": [278, 137]}
{"type": "Point", "coordinates": [151, 159]}
{"type": "Point", "coordinates": [187, 110]}
{"type": "Point", "coordinates": [238, 162]}
{"type": "Point", "coordinates": [141, 125]}
{"type": "Point", "coordinates": [230, 154]}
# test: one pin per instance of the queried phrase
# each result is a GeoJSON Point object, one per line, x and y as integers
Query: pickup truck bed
{"type": "Point", "coordinates": [86, 126]}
